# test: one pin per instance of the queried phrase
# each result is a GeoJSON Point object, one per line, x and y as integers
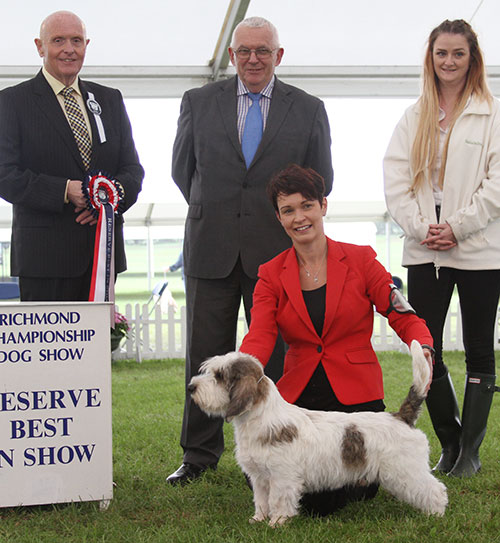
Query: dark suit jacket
{"type": "Point", "coordinates": [229, 213]}
{"type": "Point", "coordinates": [356, 284]}
{"type": "Point", "coordinates": [38, 154]}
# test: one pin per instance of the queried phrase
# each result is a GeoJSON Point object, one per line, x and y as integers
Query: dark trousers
{"type": "Point", "coordinates": [56, 289]}
{"type": "Point", "coordinates": [478, 293]}
{"type": "Point", "coordinates": [212, 307]}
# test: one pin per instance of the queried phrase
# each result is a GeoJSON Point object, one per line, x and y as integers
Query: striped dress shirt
{"type": "Point", "coordinates": [244, 102]}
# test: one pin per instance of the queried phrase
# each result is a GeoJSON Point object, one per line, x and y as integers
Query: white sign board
{"type": "Point", "coordinates": [55, 403]}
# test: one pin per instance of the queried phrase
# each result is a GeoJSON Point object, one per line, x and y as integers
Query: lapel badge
{"type": "Point", "coordinates": [94, 106]}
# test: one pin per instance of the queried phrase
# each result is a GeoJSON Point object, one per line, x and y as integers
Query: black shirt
{"type": "Point", "coordinates": [318, 393]}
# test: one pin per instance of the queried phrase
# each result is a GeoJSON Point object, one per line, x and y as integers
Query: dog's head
{"type": "Point", "coordinates": [229, 385]}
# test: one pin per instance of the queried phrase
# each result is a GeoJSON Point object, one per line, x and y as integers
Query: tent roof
{"type": "Point", "coordinates": [160, 49]}
{"type": "Point", "coordinates": [355, 48]}
{"type": "Point", "coordinates": [319, 33]}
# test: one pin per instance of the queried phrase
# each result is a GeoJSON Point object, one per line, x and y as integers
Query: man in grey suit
{"type": "Point", "coordinates": [43, 163]}
{"type": "Point", "coordinates": [224, 153]}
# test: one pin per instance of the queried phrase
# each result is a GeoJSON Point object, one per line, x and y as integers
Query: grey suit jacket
{"type": "Point", "coordinates": [38, 154]}
{"type": "Point", "coordinates": [229, 214]}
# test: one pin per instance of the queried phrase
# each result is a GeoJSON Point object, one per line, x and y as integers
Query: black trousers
{"type": "Point", "coordinates": [212, 307]}
{"type": "Point", "coordinates": [478, 293]}
{"type": "Point", "coordinates": [56, 289]}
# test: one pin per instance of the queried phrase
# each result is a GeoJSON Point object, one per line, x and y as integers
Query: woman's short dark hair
{"type": "Point", "coordinates": [293, 179]}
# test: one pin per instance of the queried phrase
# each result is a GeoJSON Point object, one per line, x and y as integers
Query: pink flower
{"type": "Point", "coordinates": [121, 324]}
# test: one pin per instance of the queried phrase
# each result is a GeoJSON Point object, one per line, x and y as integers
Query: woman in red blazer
{"type": "Point", "coordinates": [321, 295]}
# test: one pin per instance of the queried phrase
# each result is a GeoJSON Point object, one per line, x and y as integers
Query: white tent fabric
{"type": "Point", "coordinates": [160, 48]}
{"type": "Point", "coordinates": [314, 33]}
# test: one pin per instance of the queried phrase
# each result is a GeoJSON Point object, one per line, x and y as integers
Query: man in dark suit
{"type": "Point", "coordinates": [42, 165]}
{"type": "Point", "coordinates": [222, 170]}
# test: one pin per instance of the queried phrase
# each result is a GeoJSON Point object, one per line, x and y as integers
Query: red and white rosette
{"type": "Point", "coordinates": [99, 189]}
{"type": "Point", "coordinates": [104, 198]}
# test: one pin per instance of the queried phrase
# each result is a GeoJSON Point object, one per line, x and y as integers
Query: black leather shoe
{"type": "Point", "coordinates": [187, 473]}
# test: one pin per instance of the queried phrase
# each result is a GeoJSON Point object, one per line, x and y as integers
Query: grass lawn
{"type": "Point", "coordinates": [132, 286]}
{"type": "Point", "coordinates": [147, 412]}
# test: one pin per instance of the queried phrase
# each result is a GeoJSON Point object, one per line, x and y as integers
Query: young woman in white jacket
{"type": "Point", "coordinates": [442, 186]}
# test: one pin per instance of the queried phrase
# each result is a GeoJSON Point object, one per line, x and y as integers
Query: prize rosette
{"type": "Point", "coordinates": [104, 199]}
{"type": "Point", "coordinates": [99, 189]}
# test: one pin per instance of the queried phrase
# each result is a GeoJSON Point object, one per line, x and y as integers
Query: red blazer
{"type": "Point", "coordinates": [356, 285]}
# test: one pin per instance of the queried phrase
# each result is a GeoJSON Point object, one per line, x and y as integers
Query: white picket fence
{"type": "Point", "coordinates": [163, 335]}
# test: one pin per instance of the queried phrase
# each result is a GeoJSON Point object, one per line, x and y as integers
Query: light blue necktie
{"type": "Point", "coordinates": [252, 133]}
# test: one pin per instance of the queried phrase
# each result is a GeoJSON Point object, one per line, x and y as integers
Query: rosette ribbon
{"type": "Point", "coordinates": [104, 199]}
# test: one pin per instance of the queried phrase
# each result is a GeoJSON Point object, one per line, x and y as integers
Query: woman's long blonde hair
{"type": "Point", "coordinates": [426, 144]}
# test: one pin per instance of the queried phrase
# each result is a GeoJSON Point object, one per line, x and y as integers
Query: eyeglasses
{"type": "Point", "coordinates": [243, 53]}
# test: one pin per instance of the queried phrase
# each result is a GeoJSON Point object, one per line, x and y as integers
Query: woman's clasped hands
{"type": "Point", "coordinates": [440, 237]}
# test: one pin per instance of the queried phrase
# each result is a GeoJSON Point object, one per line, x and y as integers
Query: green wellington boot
{"type": "Point", "coordinates": [445, 416]}
{"type": "Point", "coordinates": [479, 389]}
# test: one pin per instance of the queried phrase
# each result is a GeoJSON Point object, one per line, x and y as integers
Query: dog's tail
{"type": "Point", "coordinates": [410, 408]}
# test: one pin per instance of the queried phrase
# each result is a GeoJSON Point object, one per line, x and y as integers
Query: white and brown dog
{"type": "Point", "coordinates": [287, 451]}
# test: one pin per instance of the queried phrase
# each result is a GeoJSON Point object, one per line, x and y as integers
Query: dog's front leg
{"type": "Point", "coordinates": [260, 498]}
{"type": "Point", "coordinates": [283, 502]}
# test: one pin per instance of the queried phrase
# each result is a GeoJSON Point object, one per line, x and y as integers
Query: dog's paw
{"type": "Point", "coordinates": [439, 500]}
{"type": "Point", "coordinates": [258, 517]}
{"type": "Point", "coordinates": [278, 521]}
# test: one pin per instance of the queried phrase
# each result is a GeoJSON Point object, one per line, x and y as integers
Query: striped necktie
{"type": "Point", "coordinates": [78, 125]}
{"type": "Point", "coordinates": [252, 133]}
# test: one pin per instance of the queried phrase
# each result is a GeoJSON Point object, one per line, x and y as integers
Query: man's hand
{"type": "Point", "coordinates": [74, 193]}
{"type": "Point", "coordinates": [75, 196]}
{"type": "Point", "coordinates": [85, 216]}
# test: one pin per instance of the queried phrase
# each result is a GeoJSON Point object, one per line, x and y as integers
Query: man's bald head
{"type": "Point", "coordinates": [62, 45]}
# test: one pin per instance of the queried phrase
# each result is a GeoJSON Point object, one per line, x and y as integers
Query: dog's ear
{"type": "Point", "coordinates": [241, 396]}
